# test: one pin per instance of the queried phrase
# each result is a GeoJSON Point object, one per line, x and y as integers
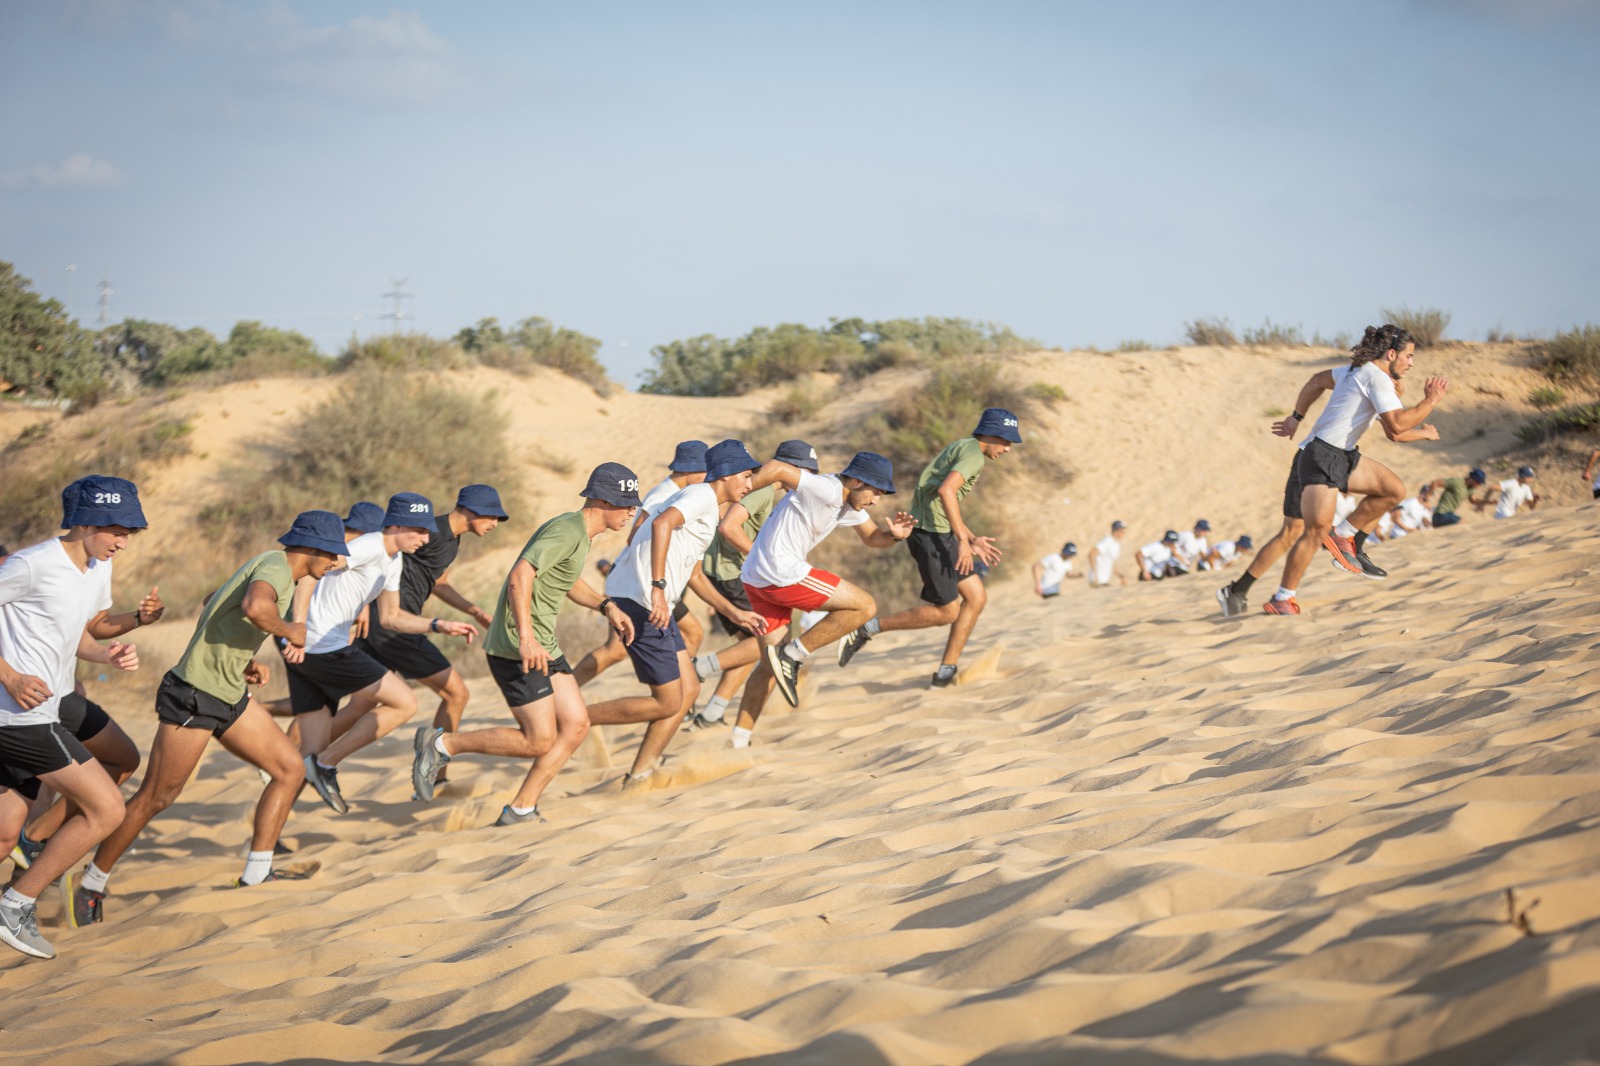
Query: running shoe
{"type": "Point", "coordinates": [19, 927]}
{"type": "Point", "coordinates": [26, 851]}
{"type": "Point", "coordinates": [280, 848]}
{"type": "Point", "coordinates": [1370, 568]}
{"type": "Point", "coordinates": [1233, 603]}
{"type": "Point", "coordinates": [697, 721]}
{"type": "Point", "coordinates": [853, 643]}
{"type": "Point", "coordinates": [945, 677]}
{"type": "Point", "coordinates": [787, 673]}
{"type": "Point", "coordinates": [511, 817]}
{"type": "Point", "coordinates": [278, 875]}
{"type": "Point", "coordinates": [427, 761]}
{"type": "Point", "coordinates": [326, 782]}
{"type": "Point", "coordinates": [80, 906]}
{"type": "Point", "coordinates": [630, 783]}
{"type": "Point", "coordinates": [1288, 606]}
{"type": "Point", "coordinates": [1344, 553]}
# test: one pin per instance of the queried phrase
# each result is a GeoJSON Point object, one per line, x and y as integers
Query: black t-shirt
{"type": "Point", "coordinates": [423, 567]}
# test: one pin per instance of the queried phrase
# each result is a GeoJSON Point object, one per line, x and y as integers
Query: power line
{"type": "Point", "coordinates": [399, 296]}
{"type": "Point", "coordinates": [105, 300]}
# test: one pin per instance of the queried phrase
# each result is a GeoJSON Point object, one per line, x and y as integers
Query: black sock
{"type": "Point", "coordinates": [1360, 539]}
{"type": "Point", "coordinates": [1242, 583]}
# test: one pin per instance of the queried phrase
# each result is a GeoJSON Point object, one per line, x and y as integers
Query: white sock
{"type": "Point", "coordinates": [94, 879]}
{"type": "Point", "coordinates": [325, 766]}
{"type": "Point", "coordinates": [705, 666]}
{"type": "Point", "coordinates": [1283, 594]}
{"type": "Point", "coordinates": [16, 899]}
{"type": "Point", "coordinates": [523, 812]}
{"type": "Point", "coordinates": [873, 627]}
{"type": "Point", "coordinates": [257, 865]}
{"type": "Point", "coordinates": [715, 707]}
{"type": "Point", "coordinates": [741, 736]}
{"type": "Point", "coordinates": [438, 745]}
{"type": "Point", "coordinates": [797, 651]}
{"type": "Point", "coordinates": [1344, 528]}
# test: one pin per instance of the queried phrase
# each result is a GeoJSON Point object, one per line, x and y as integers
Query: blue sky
{"type": "Point", "coordinates": [1085, 173]}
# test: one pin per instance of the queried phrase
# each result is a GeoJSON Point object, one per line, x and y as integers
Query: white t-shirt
{"type": "Point", "coordinates": [1364, 394]}
{"type": "Point", "coordinates": [1416, 514]}
{"type": "Point", "coordinates": [1386, 524]}
{"type": "Point", "coordinates": [1107, 552]}
{"type": "Point", "coordinates": [1339, 374]}
{"type": "Point", "coordinates": [799, 522]}
{"type": "Point", "coordinates": [340, 595]}
{"type": "Point", "coordinates": [630, 577]}
{"type": "Point", "coordinates": [1192, 546]}
{"type": "Point", "coordinates": [45, 603]}
{"type": "Point", "coordinates": [651, 504]}
{"type": "Point", "coordinates": [1056, 569]}
{"type": "Point", "coordinates": [1227, 552]}
{"type": "Point", "coordinates": [1513, 494]}
{"type": "Point", "coordinates": [1156, 556]}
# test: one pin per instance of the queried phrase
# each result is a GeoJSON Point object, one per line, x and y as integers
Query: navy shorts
{"type": "Point", "coordinates": [83, 717]}
{"type": "Point", "coordinates": [325, 678]}
{"type": "Point", "coordinates": [181, 704]}
{"type": "Point", "coordinates": [654, 651]}
{"type": "Point", "coordinates": [519, 688]}
{"type": "Point", "coordinates": [733, 592]}
{"type": "Point", "coordinates": [26, 751]}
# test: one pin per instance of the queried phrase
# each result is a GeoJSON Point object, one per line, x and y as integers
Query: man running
{"type": "Point", "coordinates": [49, 595]}
{"type": "Point", "coordinates": [1103, 556]}
{"type": "Point", "coordinates": [206, 695]}
{"type": "Point", "coordinates": [1225, 552]}
{"type": "Point", "coordinates": [1156, 560]}
{"type": "Point", "coordinates": [426, 572]}
{"type": "Point", "coordinates": [945, 547]}
{"type": "Point", "coordinates": [1331, 462]}
{"type": "Point", "coordinates": [688, 467]}
{"type": "Point", "coordinates": [1193, 546]}
{"type": "Point", "coordinates": [735, 533]}
{"type": "Point", "coordinates": [1050, 571]}
{"type": "Point", "coordinates": [524, 656]}
{"type": "Point", "coordinates": [779, 579]}
{"type": "Point", "coordinates": [1512, 494]}
{"type": "Point", "coordinates": [329, 667]}
{"type": "Point", "coordinates": [1453, 492]}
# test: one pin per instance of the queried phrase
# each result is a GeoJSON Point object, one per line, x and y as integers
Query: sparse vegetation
{"type": "Point", "coordinates": [1497, 335]}
{"type": "Point", "coordinates": [1045, 392]}
{"type": "Point", "coordinates": [1134, 346]}
{"type": "Point", "coordinates": [1573, 356]}
{"type": "Point", "coordinates": [1547, 396]}
{"type": "Point", "coordinates": [1211, 333]}
{"type": "Point", "coordinates": [1576, 418]}
{"type": "Point", "coordinates": [800, 402]}
{"type": "Point", "coordinates": [1427, 324]}
{"type": "Point", "coordinates": [1274, 334]}
{"type": "Point", "coordinates": [536, 342]}
{"type": "Point", "coordinates": [1340, 340]}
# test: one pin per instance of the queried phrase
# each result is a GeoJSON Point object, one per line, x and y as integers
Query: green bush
{"type": "Point", "coordinates": [403, 351]}
{"type": "Point", "coordinates": [415, 434]}
{"type": "Point", "coordinates": [1427, 324]}
{"type": "Point", "coordinates": [1570, 356]}
{"type": "Point", "coordinates": [1547, 396]}
{"type": "Point", "coordinates": [799, 402]}
{"type": "Point", "coordinates": [536, 342]}
{"type": "Point", "coordinates": [1273, 334]}
{"type": "Point", "coordinates": [1577, 418]}
{"type": "Point", "coordinates": [1134, 346]}
{"type": "Point", "coordinates": [44, 353]}
{"type": "Point", "coordinates": [1210, 333]}
{"type": "Point", "coordinates": [1045, 392]}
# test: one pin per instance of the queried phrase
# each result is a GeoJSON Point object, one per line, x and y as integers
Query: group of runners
{"type": "Point", "coordinates": [344, 601]}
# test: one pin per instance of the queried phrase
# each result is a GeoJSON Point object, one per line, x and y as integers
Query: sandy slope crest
{"type": "Point", "coordinates": [1150, 835]}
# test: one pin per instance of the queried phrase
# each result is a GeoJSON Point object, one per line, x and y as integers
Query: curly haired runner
{"type": "Point", "coordinates": [1331, 462]}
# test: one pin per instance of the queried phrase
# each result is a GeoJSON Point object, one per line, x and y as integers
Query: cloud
{"type": "Point", "coordinates": [78, 171]}
{"type": "Point", "coordinates": [397, 58]}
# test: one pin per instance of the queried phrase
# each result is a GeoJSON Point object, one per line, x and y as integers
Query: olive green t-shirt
{"type": "Point", "coordinates": [723, 560]}
{"type": "Point", "coordinates": [1452, 496]}
{"type": "Point", "coordinates": [224, 639]}
{"type": "Point", "coordinates": [965, 456]}
{"type": "Point", "coordinates": [556, 551]}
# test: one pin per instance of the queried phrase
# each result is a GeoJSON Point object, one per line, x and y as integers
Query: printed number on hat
{"type": "Point", "coordinates": [419, 508]}
{"type": "Point", "coordinates": [108, 497]}
{"type": "Point", "coordinates": [628, 484]}
{"type": "Point", "coordinates": [1012, 422]}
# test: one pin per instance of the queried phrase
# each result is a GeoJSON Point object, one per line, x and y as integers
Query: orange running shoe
{"type": "Point", "coordinates": [1344, 554]}
{"type": "Point", "coordinates": [1287, 606]}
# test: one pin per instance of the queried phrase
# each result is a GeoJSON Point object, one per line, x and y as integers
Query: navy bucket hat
{"type": "Point", "coordinates": [1203, 526]}
{"type": "Point", "coordinates": [873, 469]}
{"type": "Point", "coordinates": [797, 453]}
{"type": "Point", "coordinates": [1069, 548]}
{"type": "Point", "coordinates": [1171, 537]}
{"type": "Point", "coordinates": [322, 530]}
{"type": "Point", "coordinates": [690, 458]}
{"type": "Point", "coordinates": [409, 509]}
{"type": "Point", "coordinates": [998, 422]}
{"type": "Point", "coordinates": [1244, 543]}
{"type": "Point", "coordinates": [728, 458]}
{"type": "Point", "coordinates": [100, 500]}
{"type": "Point", "coordinates": [1477, 474]}
{"type": "Point", "coordinates": [481, 500]}
{"type": "Point", "coordinates": [613, 483]}
{"type": "Point", "coordinates": [1525, 471]}
{"type": "Point", "coordinates": [364, 517]}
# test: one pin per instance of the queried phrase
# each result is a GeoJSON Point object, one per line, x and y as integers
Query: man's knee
{"type": "Point", "coordinates": [105, 813]}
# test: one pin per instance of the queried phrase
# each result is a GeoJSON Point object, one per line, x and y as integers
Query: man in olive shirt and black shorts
{"type": "Point", "coordinates": [945, 548]}
{"type": "Point", "coordinates": [425, 572]}
{"type": "Point", "coordinates": [207, 695]}
{"type": "Point", "coordinates": [524, 656]}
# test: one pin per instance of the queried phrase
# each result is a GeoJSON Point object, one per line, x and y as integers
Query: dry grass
{"type": "Point", "coordinates": [1427, 324]}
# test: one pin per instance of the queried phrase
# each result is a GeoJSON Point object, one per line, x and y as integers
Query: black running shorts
{"type": "Point", "coordinates": [83, 717]}
{"type": "Point", "coordinates": [735, 594]}
{"type": "Point", "coordinates": [1292, 489]}
{"type": "Point", "coordinates": [935, 554]}
{"type": "Point", "coordinates": [521, 689]}
{"type": "Point", "coordinates": [411, 655]}
{"type": "Point", "coordinates": [181, 704]}
{"type": "Point", "coordinates": [325, 678]}
{"type": "Point", "coordinates": [26, 751]}
{"type": "Point", "coordinates": [1323, 464]}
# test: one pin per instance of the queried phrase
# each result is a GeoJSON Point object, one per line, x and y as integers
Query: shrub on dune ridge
{"type": "Point", "coordinates": [1570, 356]}
{"type": "Point", "coordinates": [1210, 333]}
{"type": "Point", "coordinates": [1427, 324]}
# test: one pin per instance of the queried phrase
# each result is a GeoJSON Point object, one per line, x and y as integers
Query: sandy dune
{"type": "Point", "coordinates": [1137, 833]}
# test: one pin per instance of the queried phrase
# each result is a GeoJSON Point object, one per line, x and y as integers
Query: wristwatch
{"type": "Point", "coordinates": [659, 583]}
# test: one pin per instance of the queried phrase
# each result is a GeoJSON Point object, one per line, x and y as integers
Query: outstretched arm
{"type": "Point", "coordinates": [107, 626]}
{"type": "Point", "coordinates": [1315, 386]}
{"type": "Point", "coordinates": [448, 593]}
{"type": "Point", "coordinates": [1407, 423]}
{"type": "Point", "coordinates": [892, 532]}
{"type": "Point", "coordinates": [398, 620]}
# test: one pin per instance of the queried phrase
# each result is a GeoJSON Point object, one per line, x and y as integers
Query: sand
{"type": "Point", "coordinates": [1137, 833]}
